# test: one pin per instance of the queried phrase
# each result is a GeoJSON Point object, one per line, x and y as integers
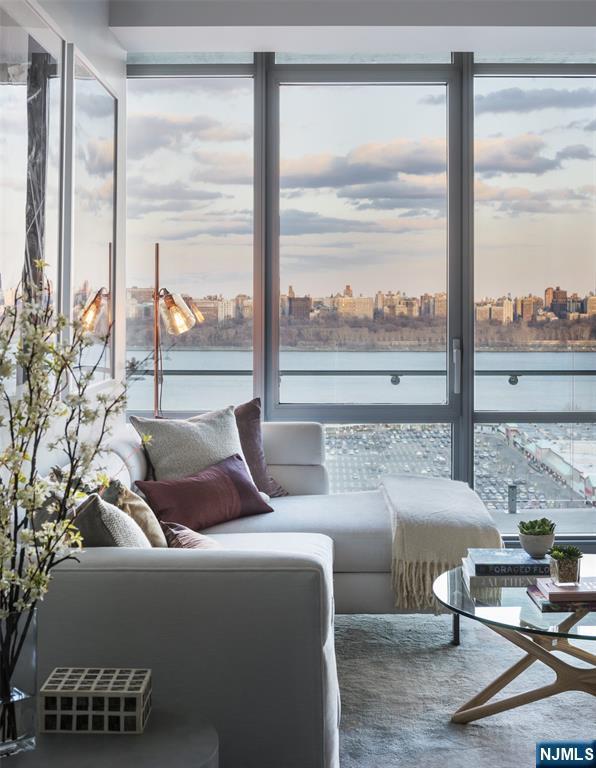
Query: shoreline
{"type": "Point", "coordinates": [321, 350]}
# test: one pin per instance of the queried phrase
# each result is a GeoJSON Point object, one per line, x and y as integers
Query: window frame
{"type": "Point", "coordinates": [459, 77]}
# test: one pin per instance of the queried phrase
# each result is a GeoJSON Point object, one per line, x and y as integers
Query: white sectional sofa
{"type": "Point", "coordinates": [242, 635]}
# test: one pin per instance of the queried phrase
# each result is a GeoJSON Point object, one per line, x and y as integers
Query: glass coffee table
{"type": "Point", "coordinates": [510, 612]}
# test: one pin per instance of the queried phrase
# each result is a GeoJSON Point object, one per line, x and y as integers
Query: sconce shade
{"type": "Point", "coordinates": [92, 311]}
{"type": "Point", "coordinates": [175, 314]}
{"type": "Point", "coordinates": [199, 317]}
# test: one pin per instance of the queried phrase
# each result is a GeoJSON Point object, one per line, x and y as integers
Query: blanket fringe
{"type": "Point", "coordinates": [413, 584]}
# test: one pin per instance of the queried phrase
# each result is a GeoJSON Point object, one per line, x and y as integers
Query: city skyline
{"type": "Point", "coordinates": [555, 303]}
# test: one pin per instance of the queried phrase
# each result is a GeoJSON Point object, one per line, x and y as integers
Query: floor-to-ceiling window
{"type": "Point", "coordinates": [535, 281]}
{"type": "Point", "coordinates": [190, 187]}
{"type": "Point", "coordinates": [361, 260]}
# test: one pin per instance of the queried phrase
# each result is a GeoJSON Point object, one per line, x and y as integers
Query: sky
{"type": "Point", "coordinates": [363, 185]}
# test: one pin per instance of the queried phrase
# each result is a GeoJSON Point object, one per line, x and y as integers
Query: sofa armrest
{"type": "Point", "coordinates": [294, 442]}
{"type": "Point", "coordinates": [242, 636]}
{"type": "Point", "coordinates": [295, 454]}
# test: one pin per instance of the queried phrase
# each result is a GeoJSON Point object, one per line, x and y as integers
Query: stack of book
{"type": "Point", "coordinates": [551, 598]}
{"type": "Point", "coordinates": [502, 568]}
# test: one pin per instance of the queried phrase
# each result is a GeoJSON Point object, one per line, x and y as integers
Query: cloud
{"type": "Point", "coordinates": [522, 154]}
{"type": "Point", "coordinates": [429, 194]}
{"type": "Point", "coordinates": [434, 99]}
{"type": "Point", "coordinates": [575, 152]}
{"type": "Point", "coordinates": [520, 100]}
{"type": "Point", "coordinates": [517, 200]}
{"type": "Point", "coordinates": [144, 197]}
{"type": "Point", "coordinates": [215, 224]}
{"type": "Point", "coordinates": [98, 156]}
{"type": "Point", "coordinates": [95, 104]}
{"type": "Point", "coordinates": [368, 163]}
{"type": "Point", "coordinates": [224, 167]}
{"type": "Point", "coordinates": [149, 132]}
{"type": "Point", "coordinates": [591, 126]}
{"type": "Point", "coordinates": [295, 222]}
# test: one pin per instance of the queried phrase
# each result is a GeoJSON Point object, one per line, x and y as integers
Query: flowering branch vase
{"type": "Point", "coordinates": [17, 683]}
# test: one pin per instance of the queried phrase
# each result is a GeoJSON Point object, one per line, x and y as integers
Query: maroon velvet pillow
{"type": "Point", "coordinates": [217, 494]}
{"type": "Point", "coordinates": [181, 537]}
{"type": "Point", "coordinates": [248, 421]}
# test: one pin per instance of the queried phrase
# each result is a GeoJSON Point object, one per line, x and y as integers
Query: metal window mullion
{"type": "Point", "coordinates": [454, 258]}
{"type": "Point", "coordinates": [535, 417]}
{"type": "Point", "coordinates": [261, 66]}
{"type": "Point", "coordinates": [67, 186]}
{"type": "Point", "coordinates": [113, 271]}
{"type": "Point", "coordinates": [364, 73]}
{"type": "Point", "coordinates": [349, 413]}
{"type": "Point", "coordinates": [464, 430]}
{"type": "Point", "coordinates": [272, 232]}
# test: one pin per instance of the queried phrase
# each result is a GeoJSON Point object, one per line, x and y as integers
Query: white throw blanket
{"type": "Point", "coordinates": [435, 522]}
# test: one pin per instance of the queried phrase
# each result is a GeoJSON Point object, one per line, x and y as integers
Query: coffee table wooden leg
{"type": "Point", "coordinates": [568, 677]}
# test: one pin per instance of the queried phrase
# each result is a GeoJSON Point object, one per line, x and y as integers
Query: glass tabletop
{"type": "Point", "coordinates": [512, 607]}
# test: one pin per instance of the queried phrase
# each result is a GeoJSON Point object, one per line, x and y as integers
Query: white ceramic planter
{"type": "Point", "coordinates": [536, 546]}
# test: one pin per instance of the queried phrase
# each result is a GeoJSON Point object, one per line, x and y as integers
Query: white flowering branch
{"type": "Point", "coordinates": [50, 409]}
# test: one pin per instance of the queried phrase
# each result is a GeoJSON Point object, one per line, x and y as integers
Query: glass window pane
{"type": "Point", "coordinates": [30, 75]}
{"type": "Point", "coordinates": [359, 455]}
{"type": "Point", "coordinates": [537, 469]}
{"type": "Point", "coordinates": [94, 176]}
{"type": "Point", "coordinates": [363, 247]}
{"type": "Point", "coordinates": [190, 174]}
{"type": "Point", "coordinates": [535, 264]}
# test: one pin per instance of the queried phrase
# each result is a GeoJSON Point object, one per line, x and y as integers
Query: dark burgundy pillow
{"type": "Point", "coordinates": [248, 421]}
{"type": "Point", "coordinates": [181, 537]}
{"type": "Point", "coordinates": [217, 494]}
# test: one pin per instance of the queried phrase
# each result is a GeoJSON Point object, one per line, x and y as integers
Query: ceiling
{"type": "Point", "coordinates": [311, 26]}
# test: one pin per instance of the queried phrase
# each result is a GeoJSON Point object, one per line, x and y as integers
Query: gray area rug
{"type": "Point", "coordinates": [401, 679]}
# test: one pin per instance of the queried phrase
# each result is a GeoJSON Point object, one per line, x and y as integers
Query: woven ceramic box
{"type": "Point", "coordinates": [94, 700]}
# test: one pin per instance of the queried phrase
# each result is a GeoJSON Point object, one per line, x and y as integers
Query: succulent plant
{"type": "Point", "coordinates": [541, 527]}
{"type": "Point", "coordinates": [565, 552]}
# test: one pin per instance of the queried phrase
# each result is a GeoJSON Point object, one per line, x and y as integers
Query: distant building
{"type": "Point", "coordinates": [440, 305]}
{"type": "Point", "coordinates": [427, 305]}
{"type": "Point", "coordinates": [354, 306]}
{"type": "Point", "coordinates": [591, 306]}
{"type": "Point", "coordinates": [348, 291]}
{"type": "Point", "coordinates": [142, 295]}
{"type": "Point", "coordinates": [548, 297]}
{"type": "Point", "coordinates": [575, 305]}
{"type": "Point", "coordinates": [526, 307]}
{"type": "Point", "coordinates": [299, 307]}
{"type": "Point", "coordinates": [244, 307]}
{"type": "Point", "coordinates": [559, 302]}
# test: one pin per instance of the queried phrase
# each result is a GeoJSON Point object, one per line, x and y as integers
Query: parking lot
{"type": "Point", "coordinates": [359, 455]}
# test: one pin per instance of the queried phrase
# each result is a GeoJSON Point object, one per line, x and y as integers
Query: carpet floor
{"type": "Point", "coordinates": [401, 680]}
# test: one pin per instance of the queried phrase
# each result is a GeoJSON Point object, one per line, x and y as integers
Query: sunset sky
{"type": "Point", "coordinates": [363, 185]}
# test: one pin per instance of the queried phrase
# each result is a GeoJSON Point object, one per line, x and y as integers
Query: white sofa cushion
{"type": "Point", "coordinates": [358, 523]}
